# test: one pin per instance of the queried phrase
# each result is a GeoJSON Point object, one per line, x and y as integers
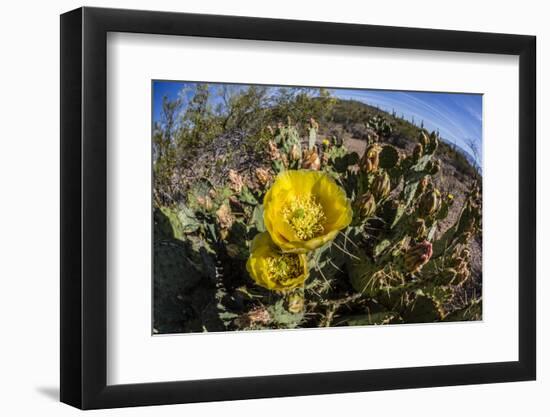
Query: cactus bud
{"type": "Point", "coordinates": [205, 202]}
{"type": "Point", "coordinates": [417, 256]}
{"type": "Point", "coordinates": [274, 153]}
{"type": "Point", "coordinates": [381, 186]}
{"type": "Point", "coordinates": [295, 152]}
{"type": "Point", "coordinates": [311, 160]}
{"type": "Point", "coordinates": [430, 203]}
{"type": "Point", "coordinates": [284, 160]}
{"type": "Point", "coordinates": [366, 206]}
{"type": "Point", "coordinates": [296, 303]}
{"type": "Point", "coordinates": [461, 263]}
{"type": "Point", "coordinates": [422, 186]}
{"type": "Point", "coordinates": [224, 216]}
{"type": "Point", "coordinates": [370, 160]}
{"type": "Point", "coordinates": [463, 272]}
{"type": "Point", "coordinates": [417, 152]}
{"type": "Point", "coordinates": [263, 176]}
{"type": "Point", "coordinates": [419, 229]}
{"type": "Point", "coordinates": [326, 144]}
{"type": "Point", "coordinates": [464, 237]}
{"type": "Point", "coordinates": [434, 167]}
{"type": "Point", "coordinates": [236, 180]}
{"type": "Point", "coordinates": [468, 218]}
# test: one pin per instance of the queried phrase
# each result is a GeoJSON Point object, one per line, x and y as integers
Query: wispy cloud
{"type": "Point", "coordinates": [458, 117]}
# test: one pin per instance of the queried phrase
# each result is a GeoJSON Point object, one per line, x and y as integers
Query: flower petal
{"type": "Point", "coordinates": [292, 184]}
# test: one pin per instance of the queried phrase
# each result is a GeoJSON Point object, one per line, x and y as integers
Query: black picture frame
{"type": "Point", "coordinates": [84, 207]}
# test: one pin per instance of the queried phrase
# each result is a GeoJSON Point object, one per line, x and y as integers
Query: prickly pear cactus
{"type": "Point", "coordinates": [400, 260]}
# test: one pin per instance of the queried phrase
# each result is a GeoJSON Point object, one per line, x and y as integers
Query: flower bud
{"type": "Point", "coordinates": [205, 202]}
{"type": "Point", "coordinates": [381, 186]}
{"type": "Point", "coordinates": [295, 152]}
{"type": "Point", "coordinates": [468, 218]}
{"type": "Point", "coordinates": [419, 229]}
{"type": "Point", "coordinates": [311, 160]}
{"type": "Point", "coordinates": [263, 176]}
{"type": "Point", "coordinates": [224, 216]}
{"type": "Point", "coordinates": [422, 186]}
{"type": "Point", "coordinates": [460, 261]}
{"type": "Point", "coordinates": [236, 180]}
{"type": "Point", "coordinates": [464, 237]}
{"type": "Point", "coordinates": [417, 256]}
{"type": "Point", "coordinates": [370, 160]}
{"type": "Point", "coordinates": [434, 167]}
{"type": "Point", "coordinates": [463, 271]}
{"type": "Point", "coordinates": [417, 152]}
{"type": "Point", "coordinates": [366, 205]}
{"type": "Point", "coordinates": [274, 153]}
{"type": "Point", "coordinates": [284, 160]}
{"type": "Point", "coordinates": [296, 303]}
{"type": "Point", "coordinates": [430, 203]}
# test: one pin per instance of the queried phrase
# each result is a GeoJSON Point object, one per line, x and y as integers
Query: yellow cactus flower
{"type": "Point", "coordinates": [272, 269]}
{"type": "Point", "coordinates": [303, 210]}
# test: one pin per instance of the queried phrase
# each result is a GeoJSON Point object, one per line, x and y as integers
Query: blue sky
{"type": "Point", "coordinates": [458, 117]}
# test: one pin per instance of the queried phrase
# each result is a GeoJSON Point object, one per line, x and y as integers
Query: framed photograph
{"type": "Point", "coordinates": [258, 208]}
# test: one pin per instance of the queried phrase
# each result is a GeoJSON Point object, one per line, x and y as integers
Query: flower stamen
{"type": "Point", "coordinates": [284, 268]}
{"type": "Point", "coordinates": [306, 217]}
